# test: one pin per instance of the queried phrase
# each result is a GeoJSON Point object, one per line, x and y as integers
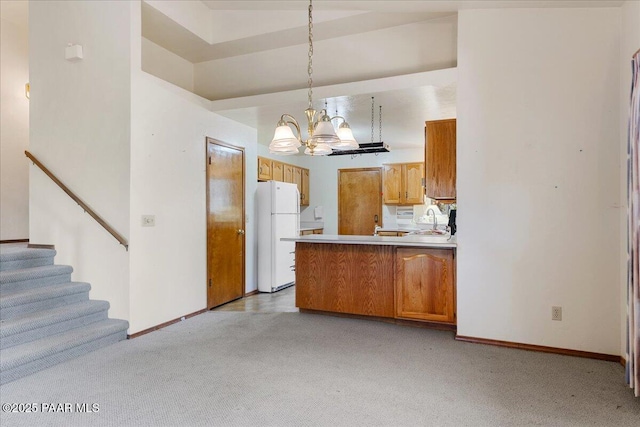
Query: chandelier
{"type": "Point", "coordinates": [323, 138]}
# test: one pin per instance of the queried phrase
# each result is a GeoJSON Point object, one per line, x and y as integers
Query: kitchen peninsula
{"type": "Point", "coordinates": [397, 279]}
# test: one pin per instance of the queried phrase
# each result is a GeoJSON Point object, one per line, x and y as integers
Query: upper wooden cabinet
{"type": "Point", "coordinates": [440, 159]}
{"type": "Point", "coordinates": [304, 194]}
{"type": "Point", "coordinates": [269, 169]}
{"type": "Point", "coordinates": [425, 285]}
{"type": "Point", "coordinates": [264, 169]}
{"type": "Point", "coordinates": [288, 173]}
{"type": "Point", "coordinates": [402, 183]}
{"type": "Point", "coordinates": [277, 171]}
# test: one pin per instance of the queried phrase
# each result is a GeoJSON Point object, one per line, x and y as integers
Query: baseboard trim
{"type": "Point", "coordinates": [165, 324]}
{"type": "Point", "coordinates": [254, 292]}
{"type": "Point", "coordinates": [541, 348]}
{"type": "Point", "coordinates": [40, 246]}
{"type": "Point", "coordinates": [403, 322]}
{"type": "Point", "coordinates": [14, 241]}
{"type": "Point", "coordinates": [623, 361]}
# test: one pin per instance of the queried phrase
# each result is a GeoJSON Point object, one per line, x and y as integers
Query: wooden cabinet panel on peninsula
{"type": "Point", "coordinates": [440, 159]}
{"type": "Point", "coordinates": [403, 183]}
{"type": "Point", "coordinates": [425, 284]}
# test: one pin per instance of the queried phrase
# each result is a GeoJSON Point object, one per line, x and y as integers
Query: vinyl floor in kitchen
{"type": "Point", "coordinates": [278, 302]}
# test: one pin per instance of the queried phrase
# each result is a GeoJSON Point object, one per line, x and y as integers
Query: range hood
{"type": "Point", "coordinates": [372, 147]}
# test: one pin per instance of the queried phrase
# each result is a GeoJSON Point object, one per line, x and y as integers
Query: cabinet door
{"type": "Point", "coordinates": [304, 193]}
{"type": "Point", "coordinates": [264, 169]}
{"type": "Point", "coordinates": [391, 184]}
{"type": "Point", "coordinates": [277, 171]}
{"type": "Point", "coordinates": [297, 179]}
{"type": "Point", "coordinates": [425, 284]}
{"type": "Point", "coordinates": [288, 173]}
{"type": "Point", "coordinates": [412, 174]}
{"type": "Point", "coordinates": [440, 159]}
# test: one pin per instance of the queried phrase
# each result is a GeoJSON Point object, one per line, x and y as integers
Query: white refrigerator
{"type": "Point", "coordinates": [278, 217]}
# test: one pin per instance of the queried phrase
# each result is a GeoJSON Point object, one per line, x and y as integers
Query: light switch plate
{"type": "Point", "coordinates": [148, 220]}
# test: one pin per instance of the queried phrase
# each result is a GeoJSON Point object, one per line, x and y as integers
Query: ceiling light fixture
{"type": "Point", "coordinates": [323, 138]}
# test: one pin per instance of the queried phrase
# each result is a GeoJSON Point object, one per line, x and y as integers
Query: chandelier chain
{"type": "Point", "coordinates": [380, 124]}
{"type": "Point", "coordinates": [372, 119]}
{"type": "Point", "coordinates": [310, 65]}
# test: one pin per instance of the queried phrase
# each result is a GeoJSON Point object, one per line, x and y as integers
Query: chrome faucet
{"type": "Point", "coordinates": [376, 229]}
{"type": "Point", "coordinates": [435, 218]}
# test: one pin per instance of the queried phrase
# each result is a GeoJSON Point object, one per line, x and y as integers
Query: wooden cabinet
{"type": "Point", "coordinates": [392, 233]}
{"type": "Point", "coordinates": [297, 179]}
{"type": "Point", "coordinates": [264, 169]}
{"type": "Point", "coordinates": [440, 159]}
{"type": "Point", "coordinates": [304, 193]}
{"type": "Point", "coordinates": [402, 183]}
{"type": "Point", "coordinates": [391, 184]}
{"type": "Point", "coordinates": [269, 169]}
{"type": "Point", "coordinates": [314, 231]}
{"type": "Point", "coordinates": [425, 284]}
{"type": "Point", "coordinates": [288, 173]}
{"type": "Point", "coordinates": [277, 171]}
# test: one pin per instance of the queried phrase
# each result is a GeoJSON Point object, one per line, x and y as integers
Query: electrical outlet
{"type": "Point", "coordinates": [148, 220]}
{"type": "Point", "coordinates": [556, 313]}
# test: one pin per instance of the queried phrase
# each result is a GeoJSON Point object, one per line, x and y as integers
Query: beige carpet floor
{"type": "Point", "coordinates": [295, 369]}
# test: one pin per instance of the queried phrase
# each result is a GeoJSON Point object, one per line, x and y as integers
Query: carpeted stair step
{"type": "Point", "coordinates": [21, 257]}
{"type": "Point", "coordinates": [21, 360]}
{"type": "Point", "coordinates": [32, 300]}
{"type": "Point", "coordinates": [34, 326]}
{"type": "Point", "coordinates": [29, 278]}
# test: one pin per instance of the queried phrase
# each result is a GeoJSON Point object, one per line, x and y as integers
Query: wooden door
{"type": "Point", "coordinates": [425, 284]}
{"type": "Point", "coordinates": [392, 178]}
{"type": "Point", "coordinates": [264, 169]}
{"type": "Point", "coordinates": [304, 194]}
{"type": "Point", "coordinates": [225, 223]}
{"type": "Point", "coordinates": [277, 171]}
{"type": "Point", "coordinates": [412, 174]}
{"type": "Point", "coordinates": [440, 159]}
{"type": "Point", "coordinates": [359, 201]}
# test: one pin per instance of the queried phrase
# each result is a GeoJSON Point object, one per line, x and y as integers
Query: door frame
{"type": "Point", "coordinates": [378, 169]}
{"type": "Point", "coordinates": [214, 141]}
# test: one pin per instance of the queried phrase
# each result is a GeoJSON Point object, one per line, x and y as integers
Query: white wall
{"type": "Point", "coordinates": [166, 65]}
{"type": "Point", "coordinates": [629, 44]}
{"type": "Point", "coordinates": [79, 129]}
{"type": "Point", "coordinates": [323, 181]}
{"type": "Point", "coordinates": [538, 176]}
{"type": "Point", "coordinates": [370, 55]}
{"type": "Point", "coordinates": [14, 132]}
{"type": "Point", "coordinates": [168, 180]}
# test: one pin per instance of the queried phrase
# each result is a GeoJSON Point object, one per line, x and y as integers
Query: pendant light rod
{"type": "Point", "coordinates": [323, 138]}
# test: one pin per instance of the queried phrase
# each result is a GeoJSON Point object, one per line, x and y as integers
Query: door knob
{"type": "Point", "coordinates": [240, 231]}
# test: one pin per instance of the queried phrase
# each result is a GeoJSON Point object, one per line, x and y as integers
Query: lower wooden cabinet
{"type": "Point", "coordinates": [314, 231]}
{"type": "Point", "coordinates": [425, 285]}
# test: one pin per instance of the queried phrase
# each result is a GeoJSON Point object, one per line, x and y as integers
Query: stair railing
{"type": "Point", "coordinates": [79, 201]}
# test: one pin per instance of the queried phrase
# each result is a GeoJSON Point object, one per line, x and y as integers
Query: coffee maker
{"type": "Point", "coordinates": [452, 221]}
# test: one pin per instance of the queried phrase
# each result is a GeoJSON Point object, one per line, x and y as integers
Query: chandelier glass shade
{"type": "Point", "coordinates": [322, 136]}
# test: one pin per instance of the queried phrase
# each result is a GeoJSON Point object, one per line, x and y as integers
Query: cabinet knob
{"type": "Point", "coordinates": [240, 232]}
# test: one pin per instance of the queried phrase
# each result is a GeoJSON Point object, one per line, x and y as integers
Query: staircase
{"type": "Point", "coordinates": [45, 318]}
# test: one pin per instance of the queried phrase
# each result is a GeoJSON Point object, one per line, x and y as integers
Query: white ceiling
{"type": "Point", "coordinates": [214, 29]}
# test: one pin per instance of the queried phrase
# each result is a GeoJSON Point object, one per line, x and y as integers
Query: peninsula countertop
{"type": "Point", "coordinates": [409, 241]}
